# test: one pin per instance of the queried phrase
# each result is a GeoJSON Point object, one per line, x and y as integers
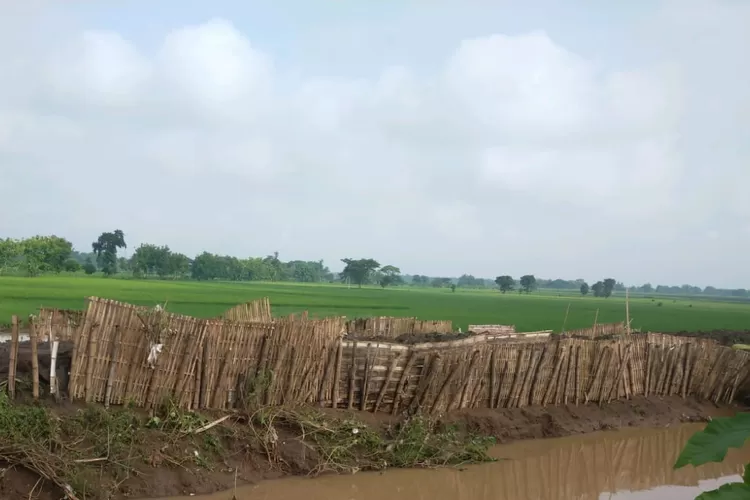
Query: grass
{"type": "Point", "coordinates": [538, 311]}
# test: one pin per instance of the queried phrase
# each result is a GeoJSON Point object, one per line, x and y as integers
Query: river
{"type": "Point", "coordinates": [632, 464]}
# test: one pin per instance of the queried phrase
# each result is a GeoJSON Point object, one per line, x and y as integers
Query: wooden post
{"type": "Point", "coordinates": [13, 357]}
{"type": "Point", "coordinates": [627, 311]}
{"type": "Point", "coordinates": [34, 358]}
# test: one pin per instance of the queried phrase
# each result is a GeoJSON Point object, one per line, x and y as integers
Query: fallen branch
{"type": "Point", "coordinates": [211, 424]}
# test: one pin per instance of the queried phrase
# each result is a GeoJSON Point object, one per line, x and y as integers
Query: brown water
{"type": "Point", "coordinates": [622, 465]}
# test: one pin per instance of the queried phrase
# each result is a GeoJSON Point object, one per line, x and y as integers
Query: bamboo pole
{"type": "Point", "coordinates": [34, 358]}
{"type": "Point", "coordinates": [336, 376]}
{"type": "Point", "coordinates": [13, 357]}
{"type": "Point", "coordinates": [596, 320]}
{"type": "Point", "coordinates": [627, 311]}
{"type": "Point", "coordinates": [352, 374]}
{"type": "Point", "coordinates": [112, 366]}
{"type": "Point", "coordinates": [565, 321]}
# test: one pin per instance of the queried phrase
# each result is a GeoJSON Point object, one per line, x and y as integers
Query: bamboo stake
{"type": "Point", "coordinates": [627, 311]}
{"type": "Point", "coordinates": [330, 360]}
{"type": "Point", "coordinates": [686, 371]}
{"type": "Point", "coordinates": [597, 370]}
{"type": "Point", "coordinates": [553, 378]}
{"type": "Point", "coordinates": [465, 387]}
{"type": "Point", "coordinates": [596, 319]}
{"type": "Point", "coordinates": [113, 365]}
{"type": "Point", "coordinates": [34, 358]}
{"type": "Point", "coordinates": [365, 385]}
{"type": "Point", "coordinates": [352, 374]}
{"type": "Point", "coordinates": [578, 374]}
{"type": "Point", "coordinates": [503, 374]}
{"type": "Point", "coordinates": [647, 383]}
{"type": "Point", "coordinates": [565, 321]}
{"type": "Point", "coordinates": [13, 357]}
{"type": "Point", "coordinates": [493, 381]}
{"type": "Point", "coordinates": [337, 376]}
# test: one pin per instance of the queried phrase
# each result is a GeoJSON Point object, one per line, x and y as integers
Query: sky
{"type": "Point", "coordinates": [574, 139]}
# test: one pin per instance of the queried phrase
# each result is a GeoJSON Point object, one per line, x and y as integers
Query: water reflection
{"type": "Point", "coordinates": [623, 465]}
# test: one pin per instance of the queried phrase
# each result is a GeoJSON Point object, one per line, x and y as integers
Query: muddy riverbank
{"type": "Point", "coordinates": [133, 455]}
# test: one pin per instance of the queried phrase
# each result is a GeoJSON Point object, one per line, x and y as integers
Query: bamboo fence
{"type": "Point", "coordinates": [201, 363]}
{"type": "Point", "coordinates": [57, 324]}
{"type": "Point", "coordinates": [389, 328]}
{"type": "Point", "coordinates": [125, 354]}
{"type": "Point", "coordinates": [482, 372]}
{"type": "Point", "coordinates": [256, 310]}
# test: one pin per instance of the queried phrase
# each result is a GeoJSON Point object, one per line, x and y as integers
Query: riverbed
{"type": "Point", "coordinates": [631, 464]}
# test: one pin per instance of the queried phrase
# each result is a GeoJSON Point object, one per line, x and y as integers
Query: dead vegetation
{"type": "Point", "coordinates": [96, 453]}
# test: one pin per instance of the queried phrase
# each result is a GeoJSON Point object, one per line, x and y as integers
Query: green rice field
{"type": "Point", "coordinates": [537, 311]}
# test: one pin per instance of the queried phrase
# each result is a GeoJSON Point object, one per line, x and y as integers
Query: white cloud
{"type": "Point", "coordinates": [512, 141]}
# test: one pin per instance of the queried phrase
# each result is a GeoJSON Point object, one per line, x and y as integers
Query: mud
{"type": "Point", "coordinates": [158, 477]}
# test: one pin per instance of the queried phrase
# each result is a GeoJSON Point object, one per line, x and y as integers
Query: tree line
{"type": "Point", "coordinates": [53, 254]}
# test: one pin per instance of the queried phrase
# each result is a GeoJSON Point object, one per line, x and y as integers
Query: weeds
{"type": "Point", "coordinates": [93, 451]}
{"type": "Point", "coordinates": [346, 445]}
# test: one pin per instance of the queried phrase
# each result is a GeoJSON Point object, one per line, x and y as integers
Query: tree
{"type": "Point", "coordinates": [598, 289]}
{"type": "Point", "coordinates": [584, 289]}
{"type": "Point", "coordinates": [45, 254]}
{"type": "Point", "coordinates": [420, 280]}
{"type": "Point", "coordinates": [440, 282]}
{"type": "Point", "coordinates": [72, 266]}
{"type": "Point", "coordinates": [647, 288]}
{"type": "Point", "coordinates": [390, 276]}
{"type": "Point", "coordinates": [358, 271]}
{"type": "Point", "coordinates": [609, 285]}
{"type": "Point", "coordinates": [506, 283]}
{"type": "Point", "coordinates": [528, 283]}
{"type": "Point", "coordinates": [453, 287]}
{"type": "Point", "coordinates": [89, 267]}
{"type": "Point", "coordinates": [151, 259]}
{"type": "Point", "coordinates": [10, 253]}
{"type": "Point", "coordinates": [105, 248]}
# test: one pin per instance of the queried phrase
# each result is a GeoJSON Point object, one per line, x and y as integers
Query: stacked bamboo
{"type": "Point", "coordinates": [256, 310]}
{"type": "Point", "coordinates": [599, 330]}
{"type": "Point", "coordinates": [389, 328]}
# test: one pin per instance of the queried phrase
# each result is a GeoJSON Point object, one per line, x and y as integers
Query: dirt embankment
{"type": "Point", "coordinates": [723, 337]}
{"type": "Point", "coordinates": [123, 453]}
